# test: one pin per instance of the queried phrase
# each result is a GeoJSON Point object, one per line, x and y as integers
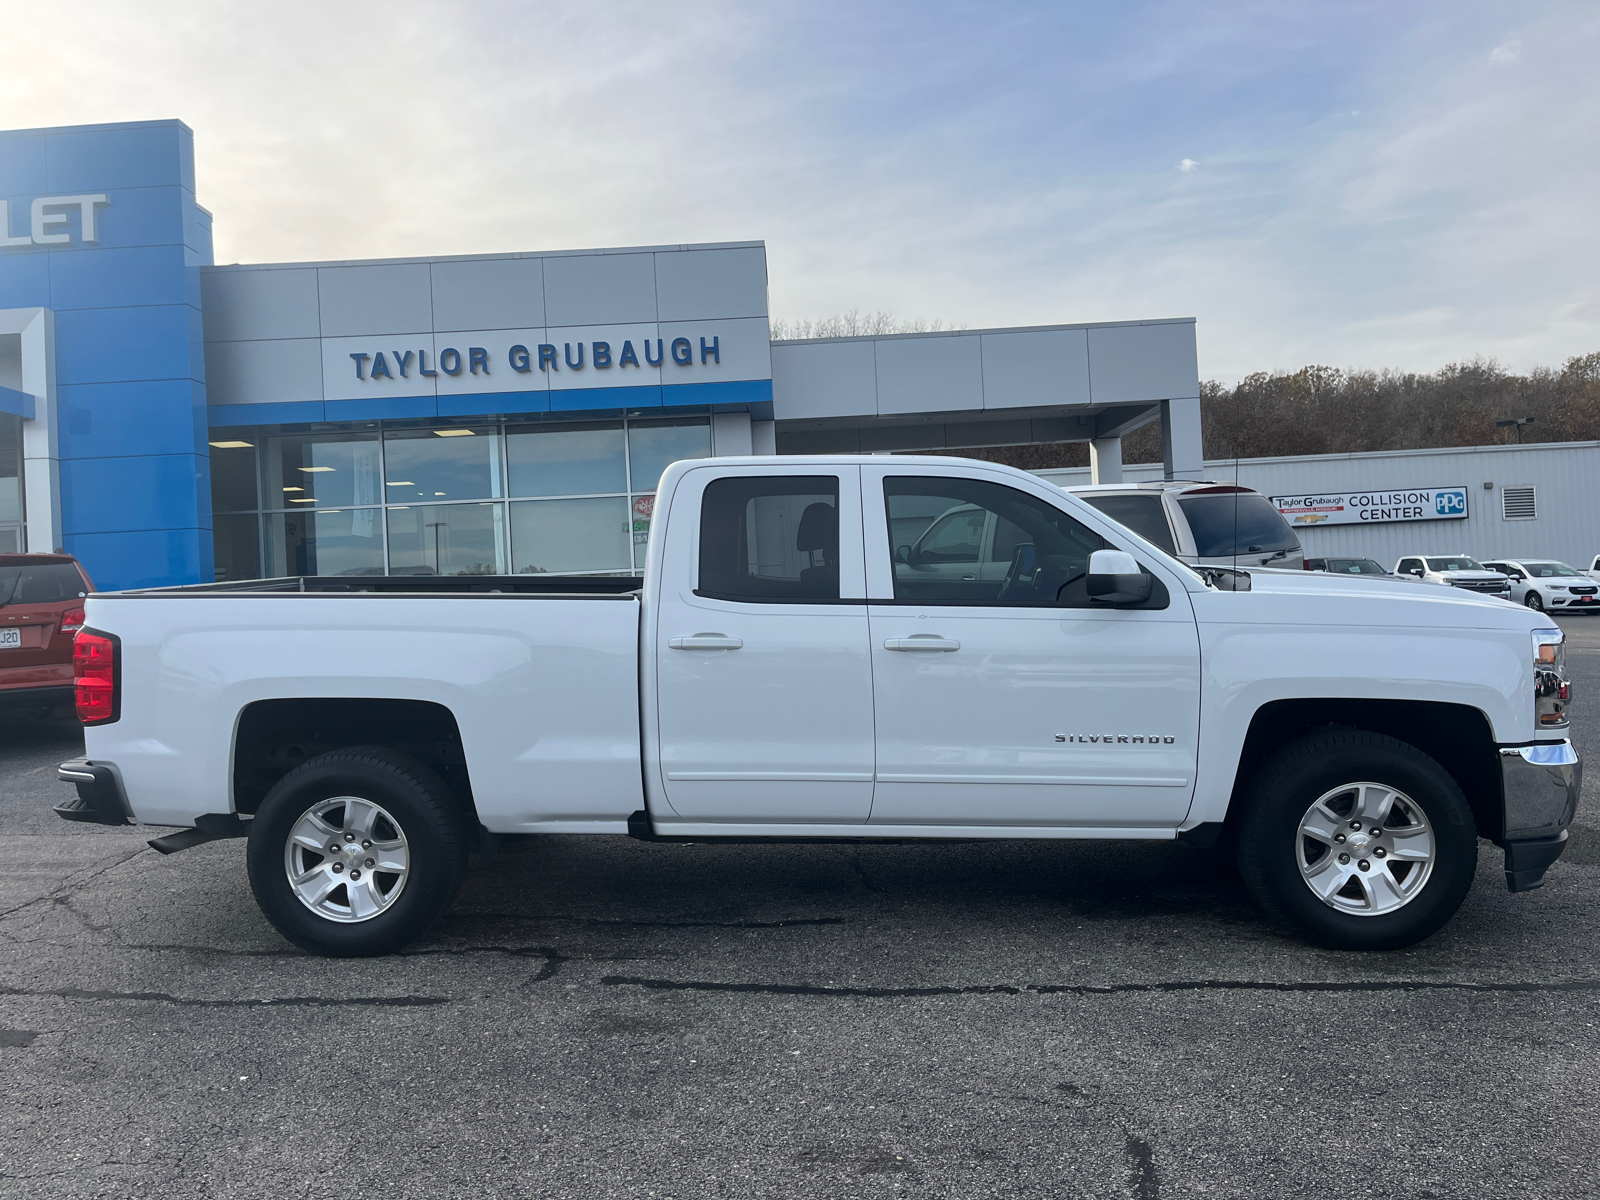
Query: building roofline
{"type": "Point", "coordinates": [434, 258]}
{"type": "Point", "coordinates": [47, 130]}
{"type": "Point", "coordinates": [934, 333]}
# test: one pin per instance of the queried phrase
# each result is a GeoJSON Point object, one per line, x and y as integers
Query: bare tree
{"type": "Point", "coordinates": [855, 323]}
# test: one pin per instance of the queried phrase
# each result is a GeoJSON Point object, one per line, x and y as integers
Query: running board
{"type": "Point", "coordinates": [208, 827]}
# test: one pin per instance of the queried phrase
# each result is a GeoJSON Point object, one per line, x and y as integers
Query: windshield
{"type": "Point", "coordinates": [1140, 513]}
{"type": "Point", "coordinates": [1454, 564]}
{"type": "Point", "coordinates": [39, 583]}
{"type": "Point", "coordinates": [1236, 523]}
{"type": "Point", "coordinates": [1549, 570]}
{"type": "Point", "coordinates": [1355, 566]}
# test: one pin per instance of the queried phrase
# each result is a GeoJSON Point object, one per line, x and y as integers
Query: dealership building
{"type": "Point", "coordinates": [168, 420]}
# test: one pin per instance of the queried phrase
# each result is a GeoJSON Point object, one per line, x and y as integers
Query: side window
{"type": "Point", "coordinates": [1143, 514]}
{"type": "Point", "coordinates": [1411, 566]}
{"type": "Point", "coordinates": [772, 538]}
{"type": "Point", "coordinates": [1046, 552]}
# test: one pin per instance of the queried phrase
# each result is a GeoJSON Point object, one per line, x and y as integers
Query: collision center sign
{"type": "Point", "coordinates": [1369, 508]}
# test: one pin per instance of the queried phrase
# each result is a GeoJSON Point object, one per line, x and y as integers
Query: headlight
{"type": "Point", "coordinates": [1551, 691]}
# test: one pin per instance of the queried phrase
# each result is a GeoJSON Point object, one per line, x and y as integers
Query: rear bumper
{"type": "Point", "coordinates": [14, 680]}
{"type": "Point", "coordinates": [99, 801]}
{"type": "Point", "coordinates": [1540, 786]}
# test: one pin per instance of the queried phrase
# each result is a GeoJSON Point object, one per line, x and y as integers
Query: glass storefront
{"type": "Point", "coordinates": [569, 499]}
{"type": "Point", "coordinates": [11, 539]}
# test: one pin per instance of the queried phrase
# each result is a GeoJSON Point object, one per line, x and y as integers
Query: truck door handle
{"type": "Point", "coordinates": [705, 641]}
{"type": "Point", "coordinates": [922, 641]}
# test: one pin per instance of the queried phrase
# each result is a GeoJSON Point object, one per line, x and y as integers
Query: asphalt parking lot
{"type": "Point", "coordinates": [600, 1017]}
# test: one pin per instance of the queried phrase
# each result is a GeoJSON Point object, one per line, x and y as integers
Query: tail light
{"type": "Point", "coordinates": [95, 676]}
{"type": "Point", "coordinates": [72, 620]}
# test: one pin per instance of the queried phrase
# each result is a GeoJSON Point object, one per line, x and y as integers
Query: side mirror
{"type": "Point", "coordinates": [1115, 578]}
{"type": "Point", "coordinates": [902, 554]}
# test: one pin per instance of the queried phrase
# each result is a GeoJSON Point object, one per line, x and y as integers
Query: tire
{"type": "Point", "coordinates": [1296, 876]}
{"type": "Point", "coordinates": [383, 809]}
{"type": "Point", "coordinates": [1533, 601]}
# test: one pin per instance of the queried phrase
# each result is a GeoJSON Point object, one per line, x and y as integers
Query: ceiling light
{"type": "Point", "coordinates": [294, 489]}
{"type": "Point", "coordinates": [314, 470]}
{"type": "Point", "coordinates": [298, 500]}
{"type": "Point", "coordinates": [234, 445]}
{"type": "Point", "coordinates": [398, 507]}
{"type": "Point", "coordinates": [453, 433]}
{"type": "Point", "coordinates": [400, 483]}
{"type": "Point", "coordinates": [438, 493]}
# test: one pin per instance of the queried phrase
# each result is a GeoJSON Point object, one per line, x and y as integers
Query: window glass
{"type": "Point", "coordinates": [570, 537]}
{"type": "Point", "coordinates": [345, 541]}
{"type": "Point", "coordinates": [1550, 570]}
{"type": "Point", "coordinates": [40, 583]}
{"type": "Point", "coordinates": [426, 465]}
{"type": "Point", "coordinates": [1458, 563]}
{"type": "Point", "coordinates": [770, 538]}
{"type": "Point", "coordinates": [656, 445]}
{"type": "Point", "coordinates": [1143, 514]}
{"type": "Point", "coordinates": [447, 539]}
{"type": "Point", "coordinates": [1353, 566]}
{"type": "Point", "coordinates": [10, 467]}
{"type": "Point", "coordinates": [233, 478]}
{"type": "Point", "coordinates": [566, 460]}
{"type": "Point", "coordinates": [1039, 556]}
{"type": "Point", "coordinates": [1236, 523]}
{"type": "Point", "coordinates": [322, 470]}
{"type": "Point", "coordinates": [237, 541]}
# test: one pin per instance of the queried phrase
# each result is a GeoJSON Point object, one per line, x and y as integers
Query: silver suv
{"type": "Point", "coordinates": [1204, 524]}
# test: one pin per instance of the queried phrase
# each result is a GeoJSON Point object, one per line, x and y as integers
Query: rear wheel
{"type": "Point", "coordinates": [1359, 840]}
{"type": "Point", "coordinates": [356, 852]}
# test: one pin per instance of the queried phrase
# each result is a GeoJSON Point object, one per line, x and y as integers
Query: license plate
{"type": "Point", "coordinates": [10, 639]}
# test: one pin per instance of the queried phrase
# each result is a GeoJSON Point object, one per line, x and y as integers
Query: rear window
{"type": "Point", "coordinates": [1142, 514]}
{"type": "Point", "coordinates": [1236, 523]}
{"type": "Point", "coordinates": [42, 583]}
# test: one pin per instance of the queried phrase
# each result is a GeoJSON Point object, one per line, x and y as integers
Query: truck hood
{"type": "Point", "coordinates": [1313, 598]}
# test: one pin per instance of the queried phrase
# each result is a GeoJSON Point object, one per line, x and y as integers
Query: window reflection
{"type": "Point", "coordinates": [237, 538]}
{"type": "Point", "coordinates": [566, 460]}
{"type": "Point", "coordinates": [337, 542]}
{"type": "Point", "coordinates": [425, 465]}
{"type": "Point", "coordinates": [233, 478]}
{"type": "Point", "coordinates": [654, 446]}
{"type": "Point", "coordinates": [323, 469]}
{"type": "Point", "coordinates": [570, 536]}
{"type": "Point", "coordinates": [447, 539]}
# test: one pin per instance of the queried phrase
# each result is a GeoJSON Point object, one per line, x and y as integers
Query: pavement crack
{"type": "Point", "coordinates": [74, 882]}
{"type": "Point", "coordinates": [268, 1002]}
{"type": "Point", "coordinates": [1091, 989]}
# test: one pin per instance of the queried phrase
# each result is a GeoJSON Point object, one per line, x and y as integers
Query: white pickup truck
{"type": "Point", "coordinates": [797, 662]}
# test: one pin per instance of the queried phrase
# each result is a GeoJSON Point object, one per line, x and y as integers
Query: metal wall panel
{"type": "Point", "coordinates": [379, 299]}
{"type": "Point", "coordinates": [744, 348]}
{"type": "Point", "coordinates": [488, 293]}
{"type": "Point", "coordinates": [240, 305]}
{"type": "Point", "coordinates": [1050, 366]}
{"type": "Point", "coordinates": [824, 379]}
{"type": "Point", "coordinates": [264, 372]}
{"type": "Point", "coordinates": [596, 289]}
{"type": "Point", "coordinates": [929, 374]}
{"type": "Point", "coordinates": [703, 285]}
{"type": "Point", "coordinates": [1143, 362]}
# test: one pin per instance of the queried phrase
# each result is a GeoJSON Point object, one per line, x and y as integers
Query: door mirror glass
{"type": "Point", "coordinates": [1116, 578]}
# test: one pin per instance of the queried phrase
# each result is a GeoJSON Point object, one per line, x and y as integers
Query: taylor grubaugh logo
{"type": "Point", "coordinates": [601, 356]}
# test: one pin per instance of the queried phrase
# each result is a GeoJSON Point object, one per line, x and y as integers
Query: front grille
{"type": "Point", "coordinates": [1583, 591]}
{"type": "Point", "coordinates": [1481, 585]}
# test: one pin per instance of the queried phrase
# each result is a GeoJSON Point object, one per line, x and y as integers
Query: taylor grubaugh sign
{"type": "Point", "coordinates": [1367, 508]}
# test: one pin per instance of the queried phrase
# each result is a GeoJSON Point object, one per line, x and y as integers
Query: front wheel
{"type": "Point", "coordinates": [356, 852]}
{"type": "Point", "coordinates": [1358, 839]}
{"type": "Point", "coordinates": [1533, 601]}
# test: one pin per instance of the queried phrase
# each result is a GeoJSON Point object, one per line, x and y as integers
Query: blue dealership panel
{"type": "Point", "coordinates": [129, 360]}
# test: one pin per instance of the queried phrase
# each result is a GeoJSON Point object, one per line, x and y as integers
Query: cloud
{"type": "Point", "coordinates": [1188, 164]}
{"type": "Point", "coordinates": [1506, 53]}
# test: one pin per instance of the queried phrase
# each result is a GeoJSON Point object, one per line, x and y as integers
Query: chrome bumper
{"type": "Point", "coordinates": [1539, 786]}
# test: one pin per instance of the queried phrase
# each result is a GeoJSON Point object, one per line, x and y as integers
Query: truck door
{"type": "Point", "coordinates": [763, 671]}
{"type": "Point", "coordinates": [1015, 701]}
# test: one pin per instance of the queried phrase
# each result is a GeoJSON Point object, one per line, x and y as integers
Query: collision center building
{"type": "Point", "coordinates": [171, 421]}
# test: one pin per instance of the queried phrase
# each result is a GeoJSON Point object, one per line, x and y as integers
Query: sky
{"type": "Point", "coordinates": [1354, 185]}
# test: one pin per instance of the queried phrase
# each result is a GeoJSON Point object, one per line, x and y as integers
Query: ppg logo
{"type": "Point", "coordinates": [1450, 504]}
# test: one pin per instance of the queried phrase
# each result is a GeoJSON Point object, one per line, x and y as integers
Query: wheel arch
{"type": "Point", "coordinates": [272, 737]}
{"type": "Point", "coordinates": [1456, 736]}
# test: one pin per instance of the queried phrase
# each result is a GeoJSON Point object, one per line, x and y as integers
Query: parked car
{"type": "Point", "coordinates": [1351, 566]}
{"type": "Point", "coordinates": [41, 608]}
{"type": "Point", "coordinates": [1594, 568]}
{"type": "Point", "coordinates": [1201, 523]}
{"type": "Point", "coordinates": [1455, 570]}
{"type": "Point", "coordinates": [1546, 584]}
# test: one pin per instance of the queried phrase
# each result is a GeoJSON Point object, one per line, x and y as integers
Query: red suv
{"type": "Point", "coordinates": [41, 608]}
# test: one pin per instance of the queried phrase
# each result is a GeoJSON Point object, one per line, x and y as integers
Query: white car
{"type": "Point", "coordinates": [1594, 568]}
{"type": "Point", "coordinates": [1201, 523]}
{"type": "Point", "coordinates": [782, 671]}
{"type": "Point", "coordinates": [1544, 583]}
{"type": "Point", "coordinates": [1455, 570]}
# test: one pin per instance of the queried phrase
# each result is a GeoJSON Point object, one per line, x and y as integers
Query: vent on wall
{"type": "Point", "coordinates": [1518, 504]}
